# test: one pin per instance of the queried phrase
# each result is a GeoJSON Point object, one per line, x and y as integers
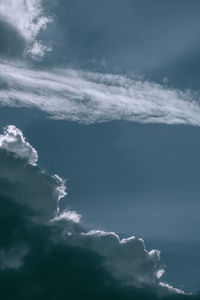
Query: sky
{"type": "Point", "coordinates": [104, 94]}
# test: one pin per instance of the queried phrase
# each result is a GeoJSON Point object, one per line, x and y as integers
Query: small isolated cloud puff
{"type": "Point", "coordinates": [92, 97]}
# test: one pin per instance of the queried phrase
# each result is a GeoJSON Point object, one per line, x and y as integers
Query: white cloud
{"type": "Point", "coordinates": [14, 141]}
{"type": "Point", "coordinates": [29, 18]}
{"type": "Point", "coordinates": [68, 215]}
{"type": "Point", "coordinates": [92, 97]}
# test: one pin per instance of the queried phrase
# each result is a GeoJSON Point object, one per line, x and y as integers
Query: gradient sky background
{"type": "Point", "coordinates": [127, 177]}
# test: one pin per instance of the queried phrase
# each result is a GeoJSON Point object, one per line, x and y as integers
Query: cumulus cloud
{"type": "Point", "coordinates": [14, 141]}
{"type": "Point", "coordinates": [28, 18]}
{"type": "Point", "coordinates": [23, 180]}
{"type": "Point", "coordinates": [33, 232]}
{"type": "Point", "coordinates": [127, 258]}
{"type": "Point", "coordinates": [92, 97]}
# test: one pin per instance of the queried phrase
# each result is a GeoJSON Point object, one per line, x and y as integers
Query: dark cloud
{"type": "Point", "coordinates": [28, 185]}
{"type": "Point", "coordinates": [50, 271]}
{"type": "Point", "coordinates": [54, 270]}
{"type": "Point", "coordinates": [60, 259]}
{"type": "Point", "coordinates": [23, 180]}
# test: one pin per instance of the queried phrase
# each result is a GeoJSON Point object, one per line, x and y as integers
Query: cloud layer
{"type": "Point", "coordinates": [92, 97]}
{"type": "Point", "coordinates": [34, 233]}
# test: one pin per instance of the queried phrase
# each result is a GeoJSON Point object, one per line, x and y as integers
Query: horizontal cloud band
{"type": "Point", "coordinates": [93, 97]}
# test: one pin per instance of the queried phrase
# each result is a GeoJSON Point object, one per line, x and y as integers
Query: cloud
{"type": "Point", "coordinates": [54, 270]}
{"type": "Point", "coordinates": [52, 251]}
{"type": "Point", "coordinates": [14, 141]}
{"type": "Point", "coordinates": [23, 180]}
{"type": "Point", "coordinates": [12, 258]}
{"type": "Point", "coordinates": [128, 259]}
{"type": "Point", "coordinates": [28, 18]}
{"type": "Point", "coordinates": [68, 215]}
{"type": "Point", "coordinates": [92, 97]}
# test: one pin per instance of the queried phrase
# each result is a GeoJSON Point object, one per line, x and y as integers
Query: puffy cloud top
{"type": "Point", "coordinates": [23, 180]}
{"type": "Point", "coordinates": [14, 141]}
{"type": "Point", "coordinates": [127, 258]}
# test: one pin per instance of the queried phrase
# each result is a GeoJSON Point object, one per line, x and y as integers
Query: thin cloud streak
{"type": "Point", "coordinates": [87, 97]}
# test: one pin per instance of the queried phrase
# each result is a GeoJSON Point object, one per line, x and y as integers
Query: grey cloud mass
{"type": "Point", "coordinates": [29, 186]}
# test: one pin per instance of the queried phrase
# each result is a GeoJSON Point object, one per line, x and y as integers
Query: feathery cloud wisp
{"type": "Point", "coordinates": [93, 97]}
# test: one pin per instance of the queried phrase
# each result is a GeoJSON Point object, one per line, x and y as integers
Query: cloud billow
{"type": "Point", "coordinates": [47, 254]}
{"type": "Point", "coordinates": [23, 180]}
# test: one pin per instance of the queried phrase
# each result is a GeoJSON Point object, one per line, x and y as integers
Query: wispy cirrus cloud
{"type": "Point", "coordinates": [87, 97]}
